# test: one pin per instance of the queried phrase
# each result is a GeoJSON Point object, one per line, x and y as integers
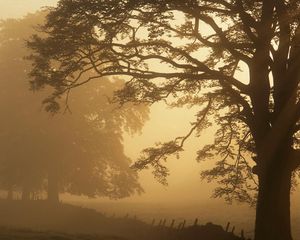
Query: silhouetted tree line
{"type": "Point", "coordinates": [79, 151]}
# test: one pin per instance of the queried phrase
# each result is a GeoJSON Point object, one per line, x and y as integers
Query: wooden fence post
{"type": "Point", "coordinates": [242, 234]}
{"type": "Point", "coordinates": [227, 227]}
{"type": "Point", "coordinates": [153, 222]}
{"type": "Point", "coordinates": [196, 222]}
{"type": "Point", "coordinates": [172, 223]}
{"type": "Point", "coordinates": [160, 222]}
{"type": "Point", "coordinates": [179, 226]}
{"type": "Point", "coordinates": [183, 224]}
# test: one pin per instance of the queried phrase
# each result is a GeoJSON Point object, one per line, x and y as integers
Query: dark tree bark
{"type": "Point", "coordinates": [273, 203]}
{"type": "Point", "coordinates": [273, 209]}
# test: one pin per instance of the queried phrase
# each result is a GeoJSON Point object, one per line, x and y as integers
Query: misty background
{"type": "Point", "coordinates": [186, 196]}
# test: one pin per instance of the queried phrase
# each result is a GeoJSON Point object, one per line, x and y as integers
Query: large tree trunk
{"type": "Point", "coordinates": [53, 187]}
{"type": "Point", "coordinates": [273, 204]}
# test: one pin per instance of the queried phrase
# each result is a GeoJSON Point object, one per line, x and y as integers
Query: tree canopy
{"type": "Point", "coordinates": [79, 152]}
{"type": "Point", "coordinates": [192, 53]}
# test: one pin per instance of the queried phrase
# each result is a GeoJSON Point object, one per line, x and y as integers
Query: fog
{"type": "Point", "coordinates": [186, 196]}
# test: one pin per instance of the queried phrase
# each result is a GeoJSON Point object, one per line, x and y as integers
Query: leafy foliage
{"type": "Point", "coordinates": [83, 147]}
{"type": "Point", "coordinates": [189, 53]}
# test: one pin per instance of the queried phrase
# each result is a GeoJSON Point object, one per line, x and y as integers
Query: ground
{"type": "Point", "coordinates": [40, 220]}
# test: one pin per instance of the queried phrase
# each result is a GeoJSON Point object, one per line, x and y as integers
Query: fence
{"type": "Point", "coordinates": [180, 225]}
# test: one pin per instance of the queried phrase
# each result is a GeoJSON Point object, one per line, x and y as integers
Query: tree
{"type": "Point", "coordinates": [17, 120]}
{"type": "Point", "coordinates": [201, 48]}
{"type": "Point", "coordinates": [80, 152]}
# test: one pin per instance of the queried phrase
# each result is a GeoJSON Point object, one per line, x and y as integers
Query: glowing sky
{"type": "Point", "coordinates": [165, 124]}
{"type": "Point", "coordinates": [19, 8]}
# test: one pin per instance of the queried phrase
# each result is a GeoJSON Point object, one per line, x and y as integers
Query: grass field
{"type": "Point", "coordinates": [26, 234]}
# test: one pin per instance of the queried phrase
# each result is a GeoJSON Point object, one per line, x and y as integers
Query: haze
{"type": "Point", "coordinates": [186, 196]}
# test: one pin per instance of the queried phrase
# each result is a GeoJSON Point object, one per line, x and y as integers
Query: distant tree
{"type": "Point", "coordinates": [191, 52]}
{"type": "Point", "coordinates": [80, 152]}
